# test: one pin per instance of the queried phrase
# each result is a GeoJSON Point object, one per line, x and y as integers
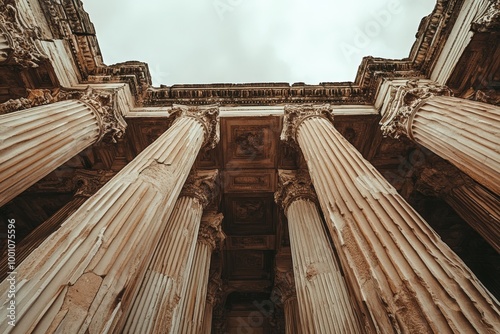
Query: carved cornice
{"type": "Point", "coordinates": [88, 182]}
{"type": "Point", "coordinates": [36, 97]}
{"type": "Point", "coordinates": [256, 94]}
{"type": "Point", "coordinates": [21, 37]}
{"type": "Point", "coordinates": [404, 102]}
{"type": "Point", "coordinates": [296, 114]}
{"type": "Point", "coordinates": [207, 116]}
{"type": "Point", "coordinates": [201, 185]}
{"type": "Point", "coordinates": [284, 286]}
{"type": "Point", "coordinates": [210, 232]}
{"type": "Point", "coordinates": [103, 103]}
{"type": "Point", "coordinates": [490, 21]}
{"type": "Point", "coordinates": [292, 186]}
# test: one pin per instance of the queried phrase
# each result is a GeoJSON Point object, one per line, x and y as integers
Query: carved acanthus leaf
{"type": "Point", "coordinates": [201, 185]}
{"type": "Point", "coordinates": [210, 232]}
{"type": "Point", "coordinates": [208, 116]}
{"type": "Point", "coordinates": [296, 114]}
{"type": "Point", "coordinates": [20, 36]}
{"type": "Point", "coordinates": [405, 101]}
{"type": "Point", "coordinates": [284, 286]}
{"type": "Point", "coordinates": [214, 290]}
{"type": "Point", "coordinates": [104, 104]}
{"type": "Point", "coordinates": [490, 21]}
{"type": "Point", "coordinates": [36, 97]}
{"type": "Point", "coordinates": [292, 186]}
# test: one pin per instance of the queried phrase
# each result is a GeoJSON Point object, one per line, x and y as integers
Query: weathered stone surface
{"type": "Point", "coordinates": [394, 262]}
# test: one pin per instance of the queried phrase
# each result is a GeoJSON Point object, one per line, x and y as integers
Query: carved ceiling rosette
{"type": "Point", "coordinates": [292, 186]}
{"type": "Point", "coordinates": [296, 114]}
{"type": "Point", "coordinates": [19, 36]}
{"type": "Point", "coordinates": [490, 21]}
{"type": "Point", "coordinates": [111, 122]}
{"type": "Point", "coordinates": [201, 185]}
{"type": "Point", "coordinates": [210, 232]}
{"type": "Point", "coordinates": [208, 116]}
{"type": "Point", "coordinates": [404, 102]}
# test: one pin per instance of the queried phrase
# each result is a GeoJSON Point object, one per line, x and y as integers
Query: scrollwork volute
{"type": "Point", "coordinates": [103, 102]}
{"type": "Point", "coordinates": [296, 114]}
{"type": "Point", "coordinates": [405, 102]}
{"type": "Point", "coordinates": [20, 37]}
{"type": "Point", "coordinates": [292, 186]}
{"type": "Point", "coordinates": [208, 116]}
{"type": "Point", "coordinates": [201, 185]}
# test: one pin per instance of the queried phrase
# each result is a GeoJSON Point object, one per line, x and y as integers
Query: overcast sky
{"type": "Point", "coordinates": [237, 41]}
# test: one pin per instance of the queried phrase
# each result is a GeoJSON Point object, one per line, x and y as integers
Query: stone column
{"type": "Point", "coordinates": [322, 294]}
{"type": "Point", "coordinates": [472, 202]}
{"type": "Point", "coordinates": [91, 182]}
{"type": "Point", "coordinates": [284, 288]}
{"type": "Point", "coordinates": [189, 319]}
{"type": "Point", "coordinates": [76, 280]}
{"type": "Point", "coordinates": [214, 289]}
{"type": "Point", "coordinates": [461, 131]}
{"type": "Point", "coordinates": [410, 281]}
{"type": "Point", "coordinates": [35, 141]}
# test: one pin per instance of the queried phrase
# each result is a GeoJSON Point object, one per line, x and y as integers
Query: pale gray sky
{"type": "Point", "coordinates": [237, 41]}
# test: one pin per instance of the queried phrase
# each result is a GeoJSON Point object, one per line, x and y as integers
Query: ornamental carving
{"type": "Point", "coordinates": [490, 21]}
{"type": "Point", "coordinates": [292, 186]}
{"type": "Point", "coordinates": [404, 103]}
{"type": "Point", "coordinates": [36, 97]}
{"type": "Point", "coordinates": [111, 123]}
{"type": "Point", "coordinates": [210, 232]}
{"type": "Point", "coordinates": [208, 116]}
{"type": "Point", "coordinates": [88, 182]}
{"type": "Point", "coordinates": [214, 289]}
{"type": "Point", "coordinates": [284, 286]}
{"type": "Point", "coordinates": [438, 178]}
{"type": "Point", "coordinates": [201, 185]}
{"type": "Point", "coordinates": [296, 114]}
{"type": "Point", "coordinates": [20, 37]}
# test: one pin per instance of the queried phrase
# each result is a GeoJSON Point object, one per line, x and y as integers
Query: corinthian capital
{"type": "Point", "coordinates": [490, 21]}
{"type": "Point", "coordinates": [296, 114]}
{"type": "Point", "coordinates": [292, 186]}
{"type": "Point", "coordinates": [208, 116]}
{"type": "Point", "coordinates": [104, 105]}
{"type": "Point", "coordinates": [210, 232]}
{"type": "Point", "coordinates": [201, 185]}
{"type": "Point", "coordinates": [36, 97]}
{"type": "Point", "coordinates": [404, 101]}
{"type": "Point", "coordinates": [284, 286]}
{"type": "Point", "coordinates": [19, 46]}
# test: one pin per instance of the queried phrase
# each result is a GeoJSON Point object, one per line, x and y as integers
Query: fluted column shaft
{"type": "Point", "coordinates": [189, 318]}
{"type": "Point", "coordinates": [480, 209]}
{"type": "Point", "coordinates": [77, 278]}
{"type": "Point", "coordinates": [322, 295]}
{"type": "Point", "coordinates": [408, 278]}
{"type": "Point", "coordinates": [214, 287]}
{"type": "Point", "coordinates": [168, 273]}
{"type": "Point", "coordinates": [35, 141]}
{"type": "Point", "coordinates": [463, 132]}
